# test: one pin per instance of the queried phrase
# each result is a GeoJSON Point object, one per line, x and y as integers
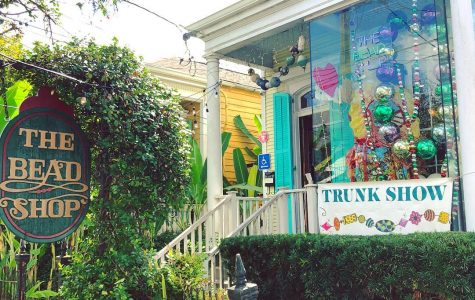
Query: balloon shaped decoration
{"type": "Point", "coordinates": [383, 113]}
{"type": "Point", "coordinates": [387, 34]}
{"type": "Point", "coordinates": [386, 73]}
{"type": "Point", "coordinates": [445, 111]}
{"type": "Point", "coordinates": [443, 89]}
{"type": "Point", "coordinates": [426, 149]}
{"type": "Point", "coordinates": [438, 133]}
{"type": "Point", "coordinates": [384, 92]}
{"type": "Point", "coordinates": [294, 50]}
{"type": "Point", "coordinates": [274, 81]}
{"type": "Point", "coordinates": [389, 132]}
{"type": "Point", "coordinates": [290, 60]}
{"type": "Point", "coordinates": [263, 83]}
{"type": "Point", "coordinates": [429, 14]}
{"type": "Point", "coordinates": [389, 52]}
{"type": "Point", "coordinates": [284, 70]}
{"type": "Point", "coordinates": [397, 19]}
{"type": "Point", "coordinates": [401, 149]}
{"type": "Point", "coordinates": [302, 60]}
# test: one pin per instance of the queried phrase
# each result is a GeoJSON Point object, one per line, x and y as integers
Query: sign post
{"type": "Point", "coordinates": [44, 171]}
{"type": "Point", "coordinates": [263, 164]}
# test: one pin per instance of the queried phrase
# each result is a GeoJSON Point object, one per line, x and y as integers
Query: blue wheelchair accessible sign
{"type": "Point", "coordinates": [264, 161]}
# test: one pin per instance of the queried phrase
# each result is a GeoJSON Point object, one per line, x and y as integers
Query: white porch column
{"type": "Point", "coordinates": [213, 148]}
{"type": "Point", "coordinates": [464, 47]}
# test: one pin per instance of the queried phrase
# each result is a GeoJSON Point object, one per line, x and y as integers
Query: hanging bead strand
{"type": "Point", "coordinates": [407, 123]}
{"type": "Point", "coordinates": [415, 28]}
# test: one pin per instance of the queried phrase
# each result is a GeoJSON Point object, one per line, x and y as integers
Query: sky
{"type": "Point", "coordinates": [146, 34]}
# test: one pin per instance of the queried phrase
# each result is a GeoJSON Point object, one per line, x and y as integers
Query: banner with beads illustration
{"type": "Point", "coordinates": [399, 206]}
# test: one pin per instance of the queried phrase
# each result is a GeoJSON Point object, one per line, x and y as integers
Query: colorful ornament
{"type": "Point", "coordinates": [290, 60]}
{"type": "Point", "coordinates": [389, 132]}
{"type": "Point", "coordinates": [429, 14]}
{"type": "Point", "coordinates": [397, 19]}
{"type": "Point", "coordinates": [445, 111]}
{"type": "Point", "coordinates": [284, 70]}
{"type": "Point", "coordinates": [274, 81]}
{"type": "Point", "coordinates": [384, 92]}
{"type": "Point", "coordinates": [302, 60]}
{"type": "Point", "coordinates": [386, 73]}
{"type": "Point", "coordinates": [401, 149]}
{"type": "Point", "coordinates": [387, 34]}
{"type": "Point", "coordinates": [254, 77]}
{"type": "Point", "coordinates": [444, 217]}
{"type": "Point", "coordinates": [361, 219]}
{"type": "Point", "coordinates": [348, 219]}
{"type": "Point", "coordinates": [326, 226]}
{"type": "Point", "coordinates": [294, 50]}
{"type": "Point", "coordinates": [438, 133]}
{"type": "Point", "coordinates": [369, 223]}
{"type": "Point", "coordinates": [426, 149]}
{"type": "Point", "coordinates": [385, 226]}
{"type": "Point", "coordinates": [390, 52]}
{"type": "Point", "coordinates": [383, 113]}
{"type": "Point", "coordinates": [260, 82]}
{"type": "Point", "coordinates": [336, 224]}
{"type": "Point", "coordinates": [429, 215]}
{"type": "Point", "coordinates": [263, 83]}
{"type": "Point", "coordinates": [403, 222]}
{"type": "Point", "coordinates": [443, 89]}
{"type": "Point", "coordinates": [415, 217]}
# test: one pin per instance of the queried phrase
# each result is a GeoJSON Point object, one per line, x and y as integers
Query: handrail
{"type": "Point", "coordinates": [190, 229]}
{"type": "Point", "coordinates": [251, 218]}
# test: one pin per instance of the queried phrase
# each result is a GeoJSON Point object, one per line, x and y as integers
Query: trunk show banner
{"type": "Point", "coordinates": [371, 208]}
{"type": "Point", "coordinates": [45, 171]}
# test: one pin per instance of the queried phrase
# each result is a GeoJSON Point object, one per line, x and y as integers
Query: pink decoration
{"type": "Point", "coordinates": [326, 226]}
{"type": "Point", "coordinates": [263, 137]}
{"type": "Point", "coordinates": [403, 222]}
{"type": "Point", "coordinates": [415, 217]}
{"type": "Point", "coordinates": [326, 79]}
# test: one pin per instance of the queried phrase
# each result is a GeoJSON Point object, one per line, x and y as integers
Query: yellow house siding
{"type": "Point", "coordinates": [238, 101]}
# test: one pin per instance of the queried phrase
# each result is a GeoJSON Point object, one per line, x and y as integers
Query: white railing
{"type": "Point", "coordinates": [288, 211]}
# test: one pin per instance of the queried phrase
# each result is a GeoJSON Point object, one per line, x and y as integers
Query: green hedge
{"type": "Point", "coordinates": [417, 266]}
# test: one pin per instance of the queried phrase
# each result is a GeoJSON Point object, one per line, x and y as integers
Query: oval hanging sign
{"type": "Point", "coordinates": [45, 171]}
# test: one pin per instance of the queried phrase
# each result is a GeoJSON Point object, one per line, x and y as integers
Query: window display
{"type": "Point", "coordinates": [383, 68]}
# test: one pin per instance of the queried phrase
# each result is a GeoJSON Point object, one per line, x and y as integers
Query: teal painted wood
{"type": "Point", "coordinates": [283, 145]}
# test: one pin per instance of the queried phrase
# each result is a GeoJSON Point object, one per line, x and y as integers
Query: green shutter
{"type": "Point", "coordinates": [283, 145]}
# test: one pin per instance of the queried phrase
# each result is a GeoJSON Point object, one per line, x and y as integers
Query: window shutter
{"type": "Point", "coordinates": [283, 146]}
{"type": "Point", "coordinates": [283, 140]}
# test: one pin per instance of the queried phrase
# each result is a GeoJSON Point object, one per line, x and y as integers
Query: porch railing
{"type": "Point", "coordinates": [288, 211]}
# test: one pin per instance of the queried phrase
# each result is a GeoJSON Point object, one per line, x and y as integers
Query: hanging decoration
{"type": "Point", "coordinates": [295, 56]}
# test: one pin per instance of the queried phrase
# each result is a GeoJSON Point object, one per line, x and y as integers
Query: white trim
{"type": "Point", "coordinates": [228, 30]}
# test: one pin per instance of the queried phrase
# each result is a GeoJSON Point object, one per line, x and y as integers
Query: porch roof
{"type": "Point", "coordinates": [256, 26]}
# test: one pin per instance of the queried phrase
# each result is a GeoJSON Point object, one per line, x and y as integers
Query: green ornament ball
{"type": "Point", "coordinates": [401, 149]}
{"type": "Point", "coordinates": [443, 89]}
{"type": "Point", "coordinates": [383, 113]}
{"type": "Point", "coordinates": [426, 149]}
{"type": "Point", "coordinates": [290, 60]}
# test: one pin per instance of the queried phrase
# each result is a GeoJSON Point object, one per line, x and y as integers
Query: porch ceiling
{"type": "Point", "coordinates": [270, 49]}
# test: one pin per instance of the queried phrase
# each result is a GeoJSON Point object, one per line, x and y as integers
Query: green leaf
{"type": "Point", "coordinates": [164, 288]}
{"type": "Point", "coordinates": [321, 166]}
{"type": "Point", "coordinates": [258, 123]}
{"type": "Point", "coordinates": [250, 153]}
{"type": "Point", "coordinates": [15, 96]}
{"type": "Point", "coordinates": [252, 179]}
{"type": "Point", "coordinates": [225, 138]}
{"type": "Point", "coordinates": [240, 167]}
{"type": "Point", "coordinates": [196, 163]}
{"type": "Point", "coordinates": [240, 124]}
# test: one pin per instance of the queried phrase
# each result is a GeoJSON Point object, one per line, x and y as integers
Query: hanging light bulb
{"type": "Point", "coordinates": [216, 93]}
{"type": "Point", "coordinates": [193, 111]}
{"type": "Point", "coordinates": [301, 43]}
{"type": "Point", "coordinates": [195, 124]}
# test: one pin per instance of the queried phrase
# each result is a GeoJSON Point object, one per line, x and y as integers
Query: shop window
{"type": "Point", "coordinates": [383, 69]}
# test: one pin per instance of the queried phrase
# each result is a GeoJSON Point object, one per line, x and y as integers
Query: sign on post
{"type": "Point", "coordinates": [370, 208]}
{"type": "Point", "coordinates": [44, 171]}
{"type": "Point", "coordinates": [264, 161]}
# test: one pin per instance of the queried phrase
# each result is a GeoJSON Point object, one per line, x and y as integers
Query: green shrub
{"type": "Point", "coordinates": [419, 266]}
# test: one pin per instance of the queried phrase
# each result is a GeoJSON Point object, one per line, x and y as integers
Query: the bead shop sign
{"type": "Point", "coordinates": [400, 206]}
{"type": "Point", "coordinates": [45, 171]}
